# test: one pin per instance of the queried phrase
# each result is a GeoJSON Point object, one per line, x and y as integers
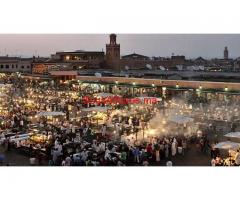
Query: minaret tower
{"type": "Point", "coordinates": [113, 52]}
{"type": "Point", "coordinates": [225, 53]}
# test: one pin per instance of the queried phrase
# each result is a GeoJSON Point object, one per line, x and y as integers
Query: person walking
{"type": "Point", "coordinates": [174, 147]}
{"type": "Point", "coordinates": [157, 156]}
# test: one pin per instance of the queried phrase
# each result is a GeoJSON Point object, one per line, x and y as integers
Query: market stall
{"type": "Point", "coordinates": [52, 117]}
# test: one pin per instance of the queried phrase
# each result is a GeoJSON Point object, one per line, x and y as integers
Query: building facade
{"type": "Point", "coordinates": [113, 60]}
{"type": "Point", "coordinates": [15, 64]}
{"type": "Point", "coordinates": [73, 60]}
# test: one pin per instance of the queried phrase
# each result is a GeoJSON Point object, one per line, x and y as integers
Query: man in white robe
{"type": "Point", "coordinates": [174, 147]}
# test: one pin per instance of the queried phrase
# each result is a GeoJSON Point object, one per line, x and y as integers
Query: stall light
{"type": "Point", "coordinates": [134, 83]}
{"type": "Point", "coordinates": [153, 85]}
{"type": "Point", "coordinates": [177, 86]}
{"type": "Point", "coordinates": [116, 82]}
{"type": "Point", "coordinates": [164, 88]}
{"type": "Point", "coordinates": [200, 87]}
{"type": "Point", "coordinates": [226, 89]}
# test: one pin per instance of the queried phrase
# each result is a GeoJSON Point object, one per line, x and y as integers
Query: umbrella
{"type": "Point", "coordinates": [48, 113]}
{"type": "Point", "coordinates": [233, 135]}
{"type": "Point", "coordinates": [227, 145]}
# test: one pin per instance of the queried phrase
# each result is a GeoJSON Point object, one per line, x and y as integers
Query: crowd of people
{"type": "Point", "coordinates": [121, 136]}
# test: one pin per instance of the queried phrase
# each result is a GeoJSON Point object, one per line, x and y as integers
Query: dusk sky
{"type": "Point", "coordinates": [190, 45]}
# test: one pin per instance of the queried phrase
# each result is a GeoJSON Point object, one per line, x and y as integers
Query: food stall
{"type": "Point", "coordinates": [52, 117]}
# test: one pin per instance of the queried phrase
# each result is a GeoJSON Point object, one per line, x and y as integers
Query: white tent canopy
{"type": "Point", "coordinates": [3, 95]}
{"type": "Point", "coordinates": [96, 109]}
{"type": "Point", "coordinates": [233, 135]}
{"type": "Point", "coordinates": [162, 68]}
{"type": "Point", "coordinates": [126, 67]}
{"type": "Point", "coordinates": [142, 98]}
{"type": "Point", "coordinates": [104, 95]}
{"type": "Point", "coordinates": [5, 85]}
{"type": "Point", "coordinates": [180, 119]}
{"type": "Point", "coordinates": [121, 113]}
{"type": "Point", "coordinates": [228, 145]}
{"type": "Point", "coordinates": [179, 67]}
{"type": "Point", "coordinates": [48, 113]}
{"type": "Point", "coordinates": [97, 74]}
{"type": "Point", "coordinates": [148, 66]}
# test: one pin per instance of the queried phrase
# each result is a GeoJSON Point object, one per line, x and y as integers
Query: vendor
{"type": "Point", "coordinates": [237, 158]}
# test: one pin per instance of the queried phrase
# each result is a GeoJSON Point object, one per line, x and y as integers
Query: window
{"type": "Point", "coordinates": [7, 66]}
{"type": "Point", "coordinates": [1, 66]}
{"type": "Point", "coordinates": [16, 66]}
{"type": "Point", "coordinates": [28, 66]}
{"type": "Point", "coordinates": [12, 65]}
{"type": "Point", "coordinates": [22, 67]}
